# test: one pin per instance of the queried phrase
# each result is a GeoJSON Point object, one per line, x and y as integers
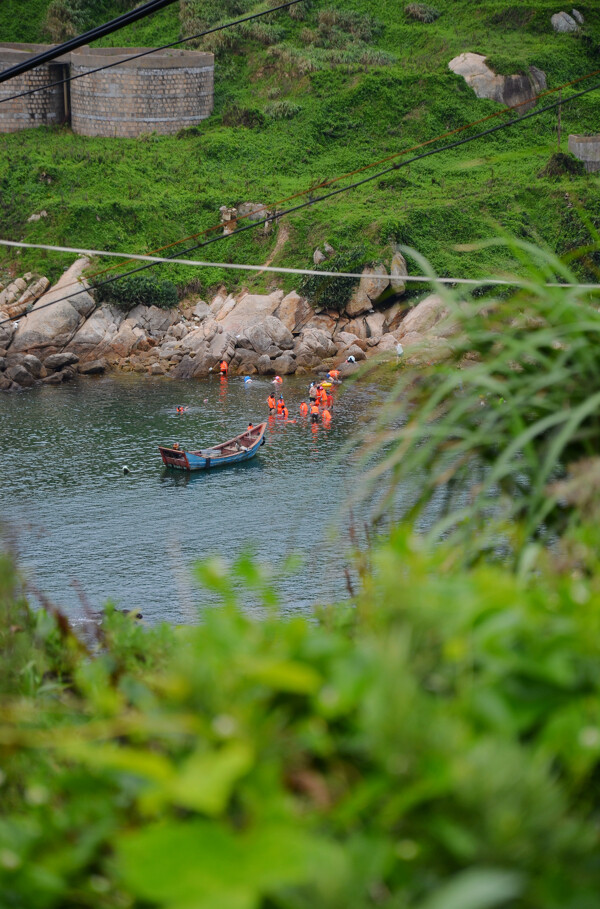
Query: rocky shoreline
{"type": "Point", "coordinates": [264, 334]}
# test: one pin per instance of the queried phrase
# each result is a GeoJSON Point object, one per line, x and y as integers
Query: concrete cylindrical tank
{"type": "Point", "coordinates": [44, 108]}
{"type": "Point", "coordinates": [587, 149]}
{"type": "Point", "coordinates": [161, 93]}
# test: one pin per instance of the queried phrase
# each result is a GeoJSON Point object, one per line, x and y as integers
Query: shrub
{"type": "Point", "coordinates": [130, 291]}
{"type": "Point", "coordinates": [422, 12]}
{"type": "Point", "coordinates": [282, 110]}
{"type": "Point", "coordinates": [249, 117]}
{"type": "Point", "coordinates": [334, 293]}
{"type": "Point", "coordinates": [561, 164]}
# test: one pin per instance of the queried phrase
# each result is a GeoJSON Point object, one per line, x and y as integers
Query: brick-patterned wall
{"type": "Point", "coordinates": [161, 93]}
{"type": "Point", "coordinates": [42, 109]}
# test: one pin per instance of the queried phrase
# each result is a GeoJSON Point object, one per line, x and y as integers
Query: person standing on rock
{"type": "Point", "coordinates": [271, 403]}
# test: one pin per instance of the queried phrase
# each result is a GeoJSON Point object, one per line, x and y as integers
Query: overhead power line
{"type": "Point", "coordinates": [151, 50]}
{"type": "Point", "coordinates": [140, 12]}
{"type": "Point", "coordinates": [397, 166]}
{"type": "Point", "coordinates": [280, 270]}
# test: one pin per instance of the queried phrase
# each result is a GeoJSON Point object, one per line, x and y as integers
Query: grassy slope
{"type": "Point", "coordinates": [142, 194]}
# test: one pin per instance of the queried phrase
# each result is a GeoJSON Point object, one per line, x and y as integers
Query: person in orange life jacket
{"type": "Point", "coordinates": [224, 367]}
{"type": "Point", "coordinates": [271, 403]}
{"type": "Point", "coordinates": [304, 409]}
{"type": "Point", "coordinates": [314, 412]}
{"type": "Point", "coordinates": [280, 405]}
{"type": "Point", "coordinates": [334, 374]}
{"type": "Point", "coordinates": [322, 399]}
{"type": "Point", "coordinates": [326, 416]}
{"type": "Point", "coordinates": [285, 412]}
{"type": "Point", "coordinates": [329, 401]}
{"type": "Point", "coordinates": [250, 426]}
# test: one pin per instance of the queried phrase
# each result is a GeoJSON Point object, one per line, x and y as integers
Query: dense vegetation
{"type": "Point", "coordinates": [301, 98]}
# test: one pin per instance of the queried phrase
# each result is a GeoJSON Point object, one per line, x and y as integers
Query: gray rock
{"type": "Point", "coordinates": [280, 335]}
{"type": "Point", "coordinates": [398, 270]}
{"type": "Point", "coordinates": [6, 331]}
{"type": "Point", "coordinates": [5, 383]}
{"type": "Point", "coordinates": [577, 16]}
{"type": "Point", "coordinates": [156, 370]}
{"type": "Point", "coordinates": [96, 334]}
{"type": "Point", "coordinates": [54, 326]}
{"type": "Point", "coordinates": [329, 250]}
{"type": "Point", "coordinates": [508, 90]}
{"type": "Point", "coordinates": [33, 365]}
{"type": "Point", "coordinates": [375, 323]}
{"type": "Point", "coordinates": [3, 363]}
{"type": "Point", "coordinates": [60, 360]}
{"type": "Point", "coordinates": [356, 352]}
{"type": "Point", "coordinates": [563, 23]}
{"type": "Point", "coordinates": [201, 309]}
{"type": "Point", "coordinates": [273, 352]}
{"type": "Point", "coordinates": [319, 257]}
{"type": "Point", "coordinates": [284, 365]}
{"type": "Point", "coordinates": [251, 310]}
{"type": "Point", "coordinates": [20, 376]}
{"type": "Point", "coordinates": [264, 366]}
{"type": "Point", "coordinates": [12, 292]}
{"type": "Point", "coordinates": [370, 289]}
{"type": "Point", "coordinates": [54, 378]}
{"type": "Point", "coordinates": [259, 338]}
{"type": "Point", "coordinates": [294, 312]}
{"type": "Point", "coordinates": [93, 368]}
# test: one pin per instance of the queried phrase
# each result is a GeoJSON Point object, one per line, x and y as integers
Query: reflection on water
{"type": "Point", "coordinates": [134, 537]}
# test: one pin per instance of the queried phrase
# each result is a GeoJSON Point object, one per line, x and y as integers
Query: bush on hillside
{"type": "Point", "coordinates": [561, 164]}
{"type": "Point", "coordinates": [237, 115]}
{"type": "Point", "coordinates": [334, 293]}
{"type": "Point", "coordinates": [422, 12]}
{"type": "Point", "coordinates": [67, 18]}
{"type": "Point", "coordinates": [133, 290]}
{"type": "Point", "coordinates": [282, 110]}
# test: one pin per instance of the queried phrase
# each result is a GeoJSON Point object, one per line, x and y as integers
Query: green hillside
{"type": "Point", "coordinates": [304, 96]}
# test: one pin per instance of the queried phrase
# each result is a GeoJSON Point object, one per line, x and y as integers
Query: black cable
{"type": "Point", "coordinates": [152, 50]}
{"type": "Point", "coordinates": [100, 31]}
{"type": "Point", "coordinates": [276, 215]}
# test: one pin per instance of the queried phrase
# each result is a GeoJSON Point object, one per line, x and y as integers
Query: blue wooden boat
{"type": "Point", "coordinates": [242, 448]}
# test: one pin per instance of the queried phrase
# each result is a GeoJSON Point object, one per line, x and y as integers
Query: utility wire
{"type": "Point", "coordinates": [343, 189]}
{"type": "Point", "coordinates": [93, 34]}
{"type": "Point", "coordinates": [152, 50]}
{"type": "Point", "coordinates": [280, 270]}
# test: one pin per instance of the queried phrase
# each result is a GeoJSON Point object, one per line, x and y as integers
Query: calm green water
{"type": "Point", "coordinates": [75, 519]}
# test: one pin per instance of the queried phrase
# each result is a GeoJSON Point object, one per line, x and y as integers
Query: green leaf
{"type": "Point", "coordinates": [201, 865]}
{"type": "Point", "coordinates": [478, 888]}
{"type": "Point", "coordinates": [205, 780]}
{"type": "Point", "coordinates": [284, 675]}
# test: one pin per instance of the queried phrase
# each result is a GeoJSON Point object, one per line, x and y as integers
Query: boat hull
{"type": "Point", "coordinates": [242, 448]}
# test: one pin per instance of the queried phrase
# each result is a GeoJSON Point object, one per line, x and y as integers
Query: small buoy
{"type": "Point", "coordinates": [247, 380]}
{"type": "Point", "coordinates": [125, 469]}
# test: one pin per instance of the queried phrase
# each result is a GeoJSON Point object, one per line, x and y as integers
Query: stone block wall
{"type": "Point", "coordinates": [161, 93]}
{"type": "Point", "coordinates": [587, 149]}
{"type": "Point", "coordinates": [45, 108]}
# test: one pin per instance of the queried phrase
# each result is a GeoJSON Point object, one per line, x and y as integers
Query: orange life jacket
{"type": "Point", "coordinates": [326, 416]}
{"type": "Point", "coordinates": [314, 409]}
{"type": "Point", "coordinates": [303, 409]}
{"type": "Point", "coordinates": [329, 400]}
{"type": "Point", "coordinates": [334, 373]}
{"type": "Point", "coordinates": [271, 402]}
{"type": "Point", "coordinates": [224, 367]}
{"type": "Point", "coordinates": [280, 406]}
{"type": "Point", "coordinates": [285, 412]}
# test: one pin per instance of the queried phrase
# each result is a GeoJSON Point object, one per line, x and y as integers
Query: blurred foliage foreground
{"type": "Point", "coordinates": [435, 744]}
{"type": "Point", "coordinates": [439, 750]}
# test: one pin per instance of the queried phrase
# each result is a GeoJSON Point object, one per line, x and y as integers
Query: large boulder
{"type": "Point", "coordinates": [152, 320]}
{"type": "Point", "coordinates": [398, 271]}
{"type": "Point", "coordinates": [59, 360]}
{"type": "Point", "coordinates": [54, 325]}
{"type": "Point", "coordinates": [563, 23]}
{"type": "Point", "coordinates": [12, 292]}
{"type": "Point", "coordinates": [7, 330]}
{"type": "Point", "coordinates": [372, 285]}
{"type": "Point", "coordinates": [251, 310]}
{"type": "Point", "coordinates": [97, 333]}
{"type": "Point", "coordinates": [33, 365]}
{"type": "Point", "coordinates": [15, 307]}
{"type": "Point", "coordinates": [508, 90]}
{"type": "Point", "coordinates": [93, 367]}
{"type": "Point", "coordinates": [284, 365]}
{"type": "Point", "coordinates": [20, 375]}
{"type": "Point", "coordinates": [280, 334]}
{"type": "Point", "coordinates": [430, 315]}
{"type": "Point", "coordinates": [357, 327]}
{"type": "Point", "coordinates": [294, 311]}
{"type": "Point", "coordinates": [375, 322]}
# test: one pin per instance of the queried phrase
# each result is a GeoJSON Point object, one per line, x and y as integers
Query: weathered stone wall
{"type": "Point", "coordinates": [45, 108]}
{"type": "Point", "coordinates": [587, 149]}
{"type": "Point", "coordinates": [160, 93]}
